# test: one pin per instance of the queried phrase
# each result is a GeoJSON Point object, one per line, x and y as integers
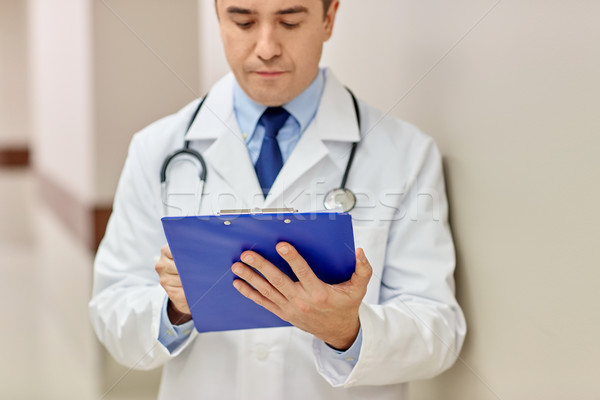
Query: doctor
{"type": "Point", "coordinates": [395, 321]}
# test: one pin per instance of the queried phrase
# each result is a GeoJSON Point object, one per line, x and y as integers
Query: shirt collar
{"type": "Point", "coordinates": [303, 108]}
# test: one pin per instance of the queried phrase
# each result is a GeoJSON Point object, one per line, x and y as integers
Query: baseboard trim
{"type": "Point", "coordinates": [14, 157]}
{"type": "Point", "coordinates": [88, 223]}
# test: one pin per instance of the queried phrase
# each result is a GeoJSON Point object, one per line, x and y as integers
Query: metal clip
{"type": "Point", "coordinates": [258, 211]}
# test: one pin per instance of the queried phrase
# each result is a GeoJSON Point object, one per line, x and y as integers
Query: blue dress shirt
{"type": "Point", "coordinates": [302, 110]}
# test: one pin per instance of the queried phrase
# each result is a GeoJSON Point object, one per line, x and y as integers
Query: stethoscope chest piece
{"type": "Point", "coordinates": [340, 199]}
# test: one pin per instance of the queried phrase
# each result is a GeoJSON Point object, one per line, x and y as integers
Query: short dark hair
{"type": "Point", "coordinates": [326, 4]}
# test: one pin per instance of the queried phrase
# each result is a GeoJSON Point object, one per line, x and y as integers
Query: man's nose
{"type": "Point", "coordinates": [268, 45]}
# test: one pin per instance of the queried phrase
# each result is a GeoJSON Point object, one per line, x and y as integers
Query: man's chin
{"type": "Point", "coordinates": [271, 97]}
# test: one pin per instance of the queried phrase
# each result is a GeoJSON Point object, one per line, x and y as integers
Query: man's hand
{"type": "Point", "coordinates": [178, 309]}
{"type": "Point", "coordinates": [330, 312]}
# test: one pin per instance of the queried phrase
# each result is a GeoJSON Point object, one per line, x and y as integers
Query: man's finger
{"type": "Point", "coordinates": [166, 251]}
{"type": "Point", "coordinates": [249, 292]}
{"type": "Point", "coordinates": [276, 278]}
{"type": "Point", "coordinates": [166, 266]}
{"type": "Point", "coordinates": [173, 283]}
{"type": "Point", "coordinates": [259, 283]}
{"type": "Point", "coordinates": [303, 272]}
{"type": "Point", "coordinates": [363, 271]}
{"type": "Point", "coordinates": [171, 269]}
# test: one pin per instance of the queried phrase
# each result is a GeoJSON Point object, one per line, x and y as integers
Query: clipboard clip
{"type": "Point", "coordinates": [257, 211]}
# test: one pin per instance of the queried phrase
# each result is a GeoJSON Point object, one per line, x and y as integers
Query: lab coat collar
{"type": "Point", "coordinates": [335, 119]}
{"type": "Point", "coordinates": [334, 122]}
{"type": "Point", "coordinates": [228, 154]}
{"type": "Point", "coordinates": [214, 118]}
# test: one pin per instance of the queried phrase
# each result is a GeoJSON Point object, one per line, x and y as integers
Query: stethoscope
{"type": "Point", "coordinates": [340, 198]}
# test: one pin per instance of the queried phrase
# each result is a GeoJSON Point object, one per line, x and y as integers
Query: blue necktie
{"type": "Point", "coordinates": [269, 161]}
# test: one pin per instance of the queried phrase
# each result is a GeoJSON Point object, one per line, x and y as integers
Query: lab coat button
{"type": "Point", "coordinates": [261, 352]}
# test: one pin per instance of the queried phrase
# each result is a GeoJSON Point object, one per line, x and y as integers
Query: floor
{"type": "Point", "coordinates": [48, 348]}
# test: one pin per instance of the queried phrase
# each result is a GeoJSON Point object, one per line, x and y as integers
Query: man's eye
{"type": "Point", "coordinates": [289, 25]}
{"type": "Point", "coordinates": [244, 25]}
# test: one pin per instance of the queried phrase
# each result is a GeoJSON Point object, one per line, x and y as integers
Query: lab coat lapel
{"type": "Point", "coordinates": [227, 155]}
{"type": "Point", "coordinates": [308, 152]}
{"type": "Point", "coordinates": [334, 122]}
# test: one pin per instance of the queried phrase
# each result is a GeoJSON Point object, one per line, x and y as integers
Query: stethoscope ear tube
{"type": "Point", "coordinates": [343, 198]}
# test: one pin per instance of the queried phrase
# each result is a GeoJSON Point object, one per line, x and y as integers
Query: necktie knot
{"type": "Point", "coordinates": [273, 120]}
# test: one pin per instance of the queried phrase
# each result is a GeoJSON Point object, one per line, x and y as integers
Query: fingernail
{"type": "Point", "coordinates": [236, 284]}
{"type": "Point", "coordinates": [284, 250]}
{"type": "Point", "coordinates": [236, 269]}
{"type": "Point", "coordinates": [248, 259]}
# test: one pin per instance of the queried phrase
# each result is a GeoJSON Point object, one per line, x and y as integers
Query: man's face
{"type": "Point", "coordinates": [274, 46]}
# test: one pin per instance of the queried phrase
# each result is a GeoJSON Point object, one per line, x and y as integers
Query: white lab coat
{"type": "Point", "coordinates": [412, 325]}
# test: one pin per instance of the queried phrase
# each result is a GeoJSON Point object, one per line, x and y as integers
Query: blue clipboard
{"type": "Point", "coordinates": [205, 247]}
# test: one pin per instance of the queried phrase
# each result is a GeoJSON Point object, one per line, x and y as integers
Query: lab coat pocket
{"type": "Point", "coordinates": [373, 240]}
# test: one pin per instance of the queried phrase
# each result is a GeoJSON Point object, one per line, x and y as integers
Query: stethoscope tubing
{"type": "Point", "coordinates": [187, 150]}
{"type": "Point", "coordinates": [355, 144]}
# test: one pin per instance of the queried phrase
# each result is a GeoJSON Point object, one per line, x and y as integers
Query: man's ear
{"type": "Point", "coordinates": [330, 19]}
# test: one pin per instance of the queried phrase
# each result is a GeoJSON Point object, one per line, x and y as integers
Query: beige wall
{"type": "Point", "coordinates": [102, 70]}
{"type": "Point", "coordinates": [514, 108]}
{"type": "Point", "coordinates": [145, 67]}
{"type": "Point", "coordinates": [14, 126]}
{"type": "Point", "coordinates": [212, 57]}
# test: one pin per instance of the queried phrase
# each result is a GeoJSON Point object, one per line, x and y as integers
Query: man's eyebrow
{"type": "Point", "coordinates": [287, 11]}
{"type": "Point", "coordinates": [293, 10]}
{"type": "Point", "coordinates": [239, 10]}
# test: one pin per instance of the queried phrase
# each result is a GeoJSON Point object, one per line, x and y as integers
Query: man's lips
{"type": "Point", "coordinates": [269, 74]}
